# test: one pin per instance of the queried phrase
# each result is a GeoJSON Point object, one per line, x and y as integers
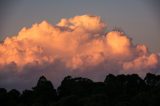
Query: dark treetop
{"type": "Point", "coordinates": [120, 90]}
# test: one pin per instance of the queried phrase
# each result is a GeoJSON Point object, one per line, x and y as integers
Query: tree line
{"type": "Point", "coordinates": [120, 90]}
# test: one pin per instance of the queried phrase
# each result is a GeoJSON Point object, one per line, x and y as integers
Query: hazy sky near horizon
{"type": "Point", "coordinates": [138, 18]}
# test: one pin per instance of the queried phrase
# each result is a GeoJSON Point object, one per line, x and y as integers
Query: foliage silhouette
{"type": "Point", "coordinates": [120, 90]}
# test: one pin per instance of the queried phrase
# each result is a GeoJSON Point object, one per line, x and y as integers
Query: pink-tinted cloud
{"type": "Point", "coordinates": [78, 46]}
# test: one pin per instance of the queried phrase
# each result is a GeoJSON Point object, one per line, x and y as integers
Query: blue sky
{"type": "Point", "coordinates": [138, 18]}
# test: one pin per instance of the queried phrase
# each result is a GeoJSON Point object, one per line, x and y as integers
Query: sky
{"type": "Point", "coordinates": [57, 38]}
{"type": "Point", "coordinates": [138, 18]}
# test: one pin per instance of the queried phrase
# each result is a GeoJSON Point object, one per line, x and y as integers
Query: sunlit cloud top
{"type": "Point", "coordinates": [80, 45]}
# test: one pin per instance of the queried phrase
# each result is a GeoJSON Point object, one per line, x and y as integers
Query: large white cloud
{"type": "Point", "coordinates": [78, 46]}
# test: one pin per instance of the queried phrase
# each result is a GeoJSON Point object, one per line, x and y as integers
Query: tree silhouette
{"type": "Point", "coordinates": [44, 92]}
{"type": "Point", "coordinates": [75, 86]}
{"type": "Point", "coordinates": [26, 97]}
{"type": "Point", "coordinates": [13, 97]}
{"type": "Point", "coordinates": [151, 79]}
{"type": "Point", "coordinates": [120, 90]}
{"type": "Point", "coordinates": [3, 96]}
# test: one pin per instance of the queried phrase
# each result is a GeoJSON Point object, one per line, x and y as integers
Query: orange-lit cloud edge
{"type": "Point", "coordinates": [79, 46]}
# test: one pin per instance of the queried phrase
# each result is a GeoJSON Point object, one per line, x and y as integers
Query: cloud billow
{"type": "Point", "coordinates": [76, 46]}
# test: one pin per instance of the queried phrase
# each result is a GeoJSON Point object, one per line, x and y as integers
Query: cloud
{"type": "Point", "coordinates": [76, 46]}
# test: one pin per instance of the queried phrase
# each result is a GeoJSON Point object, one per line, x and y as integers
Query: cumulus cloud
{"type": "Point", "coordinates": [76, 46]}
